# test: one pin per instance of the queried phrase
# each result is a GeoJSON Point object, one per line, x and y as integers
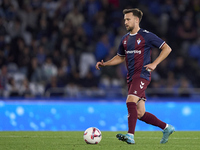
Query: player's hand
{"type": "Point", "coordinates": [150, 67]}
{"type": "Point", "coordinates": [100, 64]}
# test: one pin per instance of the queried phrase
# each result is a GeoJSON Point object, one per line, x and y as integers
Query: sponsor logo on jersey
{"type": "Point", "coordinates": [138, 41]}
{"type": "Point", "coordinates": [133, 51]}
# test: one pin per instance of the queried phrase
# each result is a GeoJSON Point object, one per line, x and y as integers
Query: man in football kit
{"type": "Point", "coordinates": [135, 48]}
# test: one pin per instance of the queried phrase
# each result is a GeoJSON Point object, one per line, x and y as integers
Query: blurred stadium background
{"type": "Point", "coordinates": [48, 52]}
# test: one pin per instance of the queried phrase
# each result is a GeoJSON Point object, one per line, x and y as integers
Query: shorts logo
{"type": "Point", "coordinates": [141, 85]}
{"type": "Point", "coordinates": [135, 92]}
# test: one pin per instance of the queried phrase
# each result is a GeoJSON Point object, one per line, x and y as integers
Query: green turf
{"type": "Point", "coordinates": [74, 141]}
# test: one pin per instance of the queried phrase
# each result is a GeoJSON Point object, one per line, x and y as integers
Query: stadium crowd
{"type": "Point", "coordinates": [50, 47]}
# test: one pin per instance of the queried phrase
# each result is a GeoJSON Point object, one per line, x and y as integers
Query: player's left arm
{"type": "Point", "coordinates": [165, 51]}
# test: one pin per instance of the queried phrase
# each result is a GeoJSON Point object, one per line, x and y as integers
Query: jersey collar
{"type": "Point", "coordinates": [132, 34]}
{"type": "Point", "coordinates": [135, 33]}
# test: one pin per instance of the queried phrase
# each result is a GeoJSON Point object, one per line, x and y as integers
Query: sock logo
{"type": "Point", "coordinates": [141, 85]}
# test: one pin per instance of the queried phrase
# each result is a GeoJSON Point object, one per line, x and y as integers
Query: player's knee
{"type": "Point", "coordinates": [140, 114]}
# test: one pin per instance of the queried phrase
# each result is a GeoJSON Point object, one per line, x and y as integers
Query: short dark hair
{"type": "Point", "coordinates": [136, 12]}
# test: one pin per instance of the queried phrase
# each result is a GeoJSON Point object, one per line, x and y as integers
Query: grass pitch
{"type": "Point", "coordinates": [21, 140]}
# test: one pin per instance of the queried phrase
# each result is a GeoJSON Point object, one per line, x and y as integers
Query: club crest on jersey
{"type": "Point", "coordinates": [124, 42]}
{"type": "Point", "coordinates": [138, 41]}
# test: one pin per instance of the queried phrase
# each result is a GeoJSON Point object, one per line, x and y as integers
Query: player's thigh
{"type": "Point", "coordinates": [141, 108]}
{"type": "Point", "coordinates": [132, 98]}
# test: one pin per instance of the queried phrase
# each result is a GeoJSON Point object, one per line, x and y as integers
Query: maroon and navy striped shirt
{"type": "Point", "coordinates": [137, 50]}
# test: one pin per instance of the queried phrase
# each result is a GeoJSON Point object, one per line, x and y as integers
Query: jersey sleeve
{"type": "Point", "coordinates": [120, 50]}
{"type": "Point", "coordinates": [155, 41]}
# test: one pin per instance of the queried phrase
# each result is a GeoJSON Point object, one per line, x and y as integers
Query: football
{"type": "Point", "coordinates": [92, 135]}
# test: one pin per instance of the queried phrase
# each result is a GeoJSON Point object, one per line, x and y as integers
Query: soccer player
{"type": "Point", "coordinates": [135, 48]}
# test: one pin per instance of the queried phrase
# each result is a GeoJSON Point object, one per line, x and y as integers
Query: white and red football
{"type": "Point", "coordinates": [92, 135]}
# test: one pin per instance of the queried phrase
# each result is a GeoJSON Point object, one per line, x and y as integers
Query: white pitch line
{"type": "Point", "coordinates": [158, 138]}
{"type": "Point", "coordinates": [161, 137]}
{"type": "Point", "coordinates": [26, 136]}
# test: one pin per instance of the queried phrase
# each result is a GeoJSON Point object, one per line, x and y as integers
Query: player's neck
{"type": "Point", "coordinates": [135, 30]}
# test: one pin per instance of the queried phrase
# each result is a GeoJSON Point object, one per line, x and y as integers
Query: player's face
{"type": "Point", "coordinates": [129, 21]}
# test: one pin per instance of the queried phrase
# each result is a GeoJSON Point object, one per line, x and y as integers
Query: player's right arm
{"type": "Point", "coordinates": [114, 61]}
{"type": "Point", "coordinates": [117, 59]}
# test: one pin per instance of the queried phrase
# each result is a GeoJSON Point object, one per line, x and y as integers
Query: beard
{"type": "Point", "coordinates": [129, 28]}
